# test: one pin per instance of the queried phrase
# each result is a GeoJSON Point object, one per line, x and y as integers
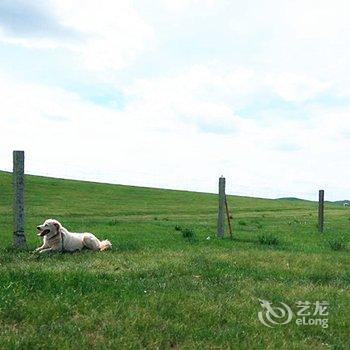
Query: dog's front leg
{"type": "Point", "coordinates": [47, 250]}
{"type": "Point", "coordinates": [40, 248]}
{"type": "Point", "coordinates": [50, 250]}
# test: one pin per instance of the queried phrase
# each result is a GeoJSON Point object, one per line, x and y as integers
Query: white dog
{"type": "Point", "coordinates": [57, 238]}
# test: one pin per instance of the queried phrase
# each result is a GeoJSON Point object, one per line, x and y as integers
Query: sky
{"type": "Point", "coordinates": [174, 94]}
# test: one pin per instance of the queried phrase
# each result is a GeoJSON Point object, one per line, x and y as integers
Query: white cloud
{"type": "Point", "coordinates": [115, 32]}
{"type": "Point", "coordinates": [232, 88]}
{"type": "Point", "coordinates": [34, 43]}
{"type": "Point", "coordinates": [296, 88]}
{"type": "Point", "coordinates": [199, 94]}
{"type": "Point", "coordinates": [109, 34]}
{"type": "Point", "coordinates": [159, 139]}
{"type": "Point", "coordinates": [317, 19]}
{"type": "Point", "coordinates": [185, 5]}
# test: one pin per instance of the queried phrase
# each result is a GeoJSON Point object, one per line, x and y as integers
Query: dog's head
{"type": "Point", "coordinates": [49, 228]}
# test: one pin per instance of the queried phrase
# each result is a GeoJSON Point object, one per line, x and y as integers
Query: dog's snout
{"type": "Point", "coordinates": [38, 227]}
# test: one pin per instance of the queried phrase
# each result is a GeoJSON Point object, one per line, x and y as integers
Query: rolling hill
{"type": "Point", "coordinates": [168, 282]}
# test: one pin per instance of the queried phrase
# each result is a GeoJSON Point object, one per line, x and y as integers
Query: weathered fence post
{"type": "Point", "coordinates": [19, 239]}
{"type": "Point", "coordinates": [321, 210]}
{"type": "Point", "coordinates": [221, 214]}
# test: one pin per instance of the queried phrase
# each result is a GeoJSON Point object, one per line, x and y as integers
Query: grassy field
{"type": "Point", "coordinates": [168, 283]}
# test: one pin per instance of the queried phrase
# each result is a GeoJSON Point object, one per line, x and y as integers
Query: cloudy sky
{"type": "Point", "coordinates": [173, 94]}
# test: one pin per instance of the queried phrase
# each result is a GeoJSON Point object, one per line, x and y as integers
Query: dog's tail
{"type": "Point", "coordinates": [105, 245]}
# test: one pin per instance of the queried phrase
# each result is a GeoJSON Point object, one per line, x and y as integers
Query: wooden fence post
{"type": "Point", "coordinates": [221, 214]}
{"type": "Point", "coordinates": [19, 239]}
{"type": "Point", "coordinates": [321, 211]}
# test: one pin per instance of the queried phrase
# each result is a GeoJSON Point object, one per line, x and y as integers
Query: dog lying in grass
{"type": "Point", "coordinates": [56, 238]}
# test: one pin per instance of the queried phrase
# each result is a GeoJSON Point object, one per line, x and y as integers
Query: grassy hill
{"type": "Point", "coordinates": [342, 202]}
{"type": "Point", "coordinates": [159, 289]}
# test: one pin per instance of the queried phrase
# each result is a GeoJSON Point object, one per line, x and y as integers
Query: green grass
{"type": "Point", "coordinates": [169, 283]}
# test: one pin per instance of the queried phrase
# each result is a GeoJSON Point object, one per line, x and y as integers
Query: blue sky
{"type": "Point", "coordinates": [174, 94]}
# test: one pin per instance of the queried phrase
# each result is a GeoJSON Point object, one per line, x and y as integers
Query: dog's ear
{"type": "Point", "coordinates": [57, 226]}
